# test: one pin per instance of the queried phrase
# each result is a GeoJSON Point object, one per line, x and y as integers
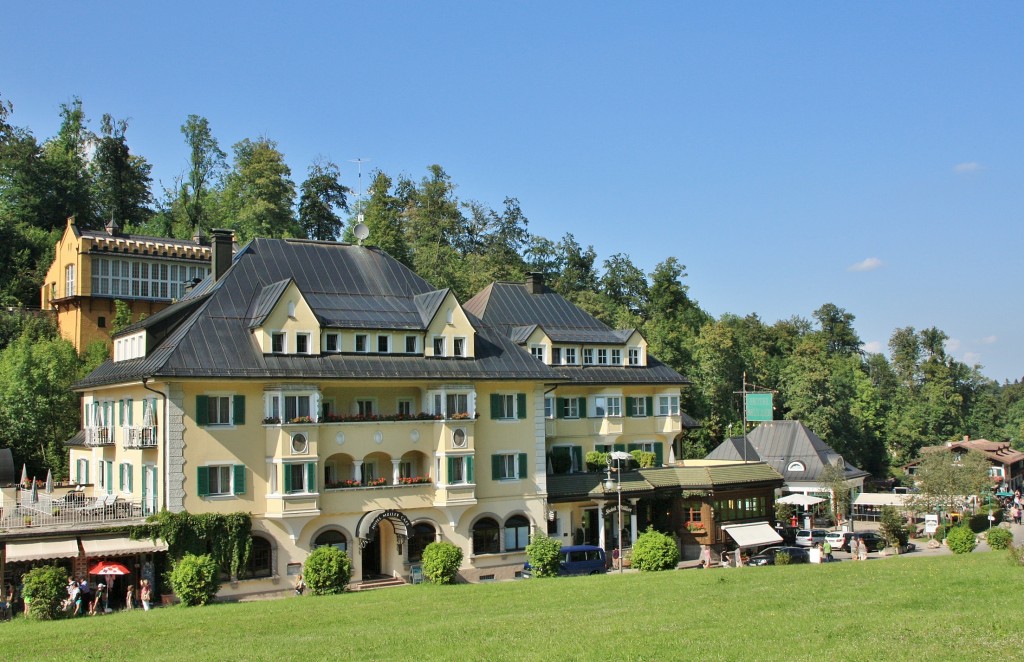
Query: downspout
{"type": "Point", "coordinates": [163, 445]}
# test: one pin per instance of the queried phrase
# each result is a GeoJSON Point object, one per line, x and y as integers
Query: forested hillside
{"type": "Point", "coordinates": [877, 410]}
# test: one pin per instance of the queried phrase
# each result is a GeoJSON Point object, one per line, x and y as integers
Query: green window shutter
{"type": "Point", "coordinates": [145, 483]}
{"type": "Point", "coordinates": [202, 410]}
{"type": "Point", "coordinates": [630, 406]}
{"type": "Point", "coordinates": [86, 467]}
{"type": "Point", "coordinates": [130, 406]}
{"type": "Point", "coordinates": [619, 447]}
{"type": "Point", "coordinates": [523, 470]}
{"type": "Point", "coordinates": [495, 467]}
{"type": "Point", "coordinates": [120, 477]}
{"type": "Point", "coordinates": [287, 478]}
{"type": "Point", "coordinates": [451, 470]}
{"type": "Point", "coordinates": [120, 413]}
{"type": "Point", "coordinates": [577, 457]}
{"type": "Point", "coordinates": [152, 488]}
{"type": "Point", "coordinates": [131, 477]}
{"type": "Point", "coordinates": [659, 454]}
{"type": "Point", "coordinates": [650, 405]}
{"type": "Point", "coordinates": [78, 472]}
{"type": "Point", "coordinates": [311, 476]}
{"type": "Point", "coordinates": [632, 447]}
{"type": "Point", "coordinates": [581, 407]}
{"type": "Point", "coordinates": [238, 417]}
{"type": "Point", "coordinates": [202, 481]}
{"type": "Point", "coordinates": [559, 407]}
{"type": "Point", "coordinates": [469, 468]}
{"type": "Point", "coordinates": [110, 477]}
{"type": "Point", "coordinates": [153, 410]}
{"type": "Point", "coordinates": [520, 405]}
{"type": "Point", "coordinates": [239, 478]}
{"type": "Point", "coordinates": [495, 406]}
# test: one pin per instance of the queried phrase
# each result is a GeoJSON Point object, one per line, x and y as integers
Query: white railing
{"type": "Point", "coordinates": [139, 436]}
{"type": "Point", "coordinates": [99, 436]}
{"type": "Point", "coordinates": [45, 511]}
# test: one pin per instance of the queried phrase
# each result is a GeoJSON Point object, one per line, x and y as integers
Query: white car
{"type": "Point", "coordinates": [810, 537]}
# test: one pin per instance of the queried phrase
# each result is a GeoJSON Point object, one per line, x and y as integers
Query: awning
{"type": "Point", "coordinates": [368, 523]}
{"type": "Point", "coordinates": [120, 546]}
{"type": "Point", "coordinates": [880, 499]}
{"type": "Point", "coordinates": [40, 551]}
{"type": "Point", "coordinates": [800, 500]}
{"type": "Point", "coordinates": [753, 534]}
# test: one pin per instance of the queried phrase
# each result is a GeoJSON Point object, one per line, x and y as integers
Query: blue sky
{"type": "Point", "coordinates": [790, 154]}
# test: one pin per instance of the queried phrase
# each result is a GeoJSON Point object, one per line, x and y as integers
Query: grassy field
{"type": "Point", "coordinates": [951, 607]}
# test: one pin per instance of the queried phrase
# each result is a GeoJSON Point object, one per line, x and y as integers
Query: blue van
{"type": "Point", "coordinates": [577, 560]}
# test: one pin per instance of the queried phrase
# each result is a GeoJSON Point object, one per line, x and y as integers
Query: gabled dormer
{"type": "Point", "coordinates": [449, 333]}
{"type": "Point", "coordinates": [283, 322]}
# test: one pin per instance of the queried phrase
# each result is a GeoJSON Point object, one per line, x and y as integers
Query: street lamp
{"type": "Point", "coordinates": [616, 485]}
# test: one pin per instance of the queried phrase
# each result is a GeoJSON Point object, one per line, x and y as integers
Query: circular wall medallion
{"type": "Point", "coordinates": [414, 436]}
{"type": "Point", "coordinates": [339, 438]}
{"type": "Point", "coordinates": [378, 437]}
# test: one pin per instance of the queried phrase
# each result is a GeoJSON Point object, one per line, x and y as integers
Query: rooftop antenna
{"type": "Point", "coordinates": [358, 201]}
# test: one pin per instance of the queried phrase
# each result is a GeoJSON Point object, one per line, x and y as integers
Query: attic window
{"type": "Point", "coordinates": [796, 466]}
{"type": "Point", "coordinates": [277, 343]}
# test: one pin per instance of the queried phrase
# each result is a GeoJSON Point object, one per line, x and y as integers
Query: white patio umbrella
{"type": "Point", "coordinates": [24, 474]}
{"type": "Point", "coordinates": [34, 495]}
{"type": "Point", "coordinates": [800, 500]}
{"type": "Point", "coordinates": [49, 481]}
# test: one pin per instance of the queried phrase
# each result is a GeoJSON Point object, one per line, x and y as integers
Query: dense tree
{"type": "Point", "coordinates": [207, 163]}
{"type": "Point", "coordinates": [120, 180]}
{"type": "Point", "coordinates": [323, 195]}
{"type": "Point", "coordinates": [433, 224]}
{"type": "Point", "coordinates": [945, 478]}
{"type": "Point", "coordinates": [382, 214]}
{"type": "Point", "coordinates": [258, 192]}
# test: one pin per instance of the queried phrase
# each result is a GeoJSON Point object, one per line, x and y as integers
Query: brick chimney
{"type": "Point", "coordinates": [535, 282]}
{"type": "Point", "coordinates": [221, 241]}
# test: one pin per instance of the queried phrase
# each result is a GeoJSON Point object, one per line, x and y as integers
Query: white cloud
{"type": "Point", "coordinates": [870, 264]}
{"type": "Point", "coordinates": [873, 347]}
{"type": "Point", "coordinates": [989, 340]}
{"type": "Point", "coordinates": [952, 345]}
{"type": "Point", "coordinates": [966, 167]}
{"type": "Point", "coordinates": [972, 358]}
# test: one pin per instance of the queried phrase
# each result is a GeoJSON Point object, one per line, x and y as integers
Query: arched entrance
{"type": "Point", "coordinates": [378, 556]}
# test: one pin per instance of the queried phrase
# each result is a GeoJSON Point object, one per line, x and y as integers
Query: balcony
{"type": "Point", "coordinates": [613, 425]}
{"type": "Point", "coordinates": [99, 436]}
{"type": "Point", "coordinates": [138, 436]}
{"type": "Point", "coordinates": [48, 512]}
{"type": "Point", "coordinates": [363, 436]}
{"type": "Point", "coordinates": [358, 499]}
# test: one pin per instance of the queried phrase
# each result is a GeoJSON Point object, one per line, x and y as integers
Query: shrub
{"type": "Point", "coordinates": [782, 558]}
{"type": "Point", "coordinates": [892, 529]}
{"type": "Point", "coordinates": [45, 588]}
{"type": "Point", "coordinates": [596, 460]}
{"type": "Point", "coordinates": [441, 561]}
{"type": "Point", "coordinates": [654, 550]}
{"type": "Point", "coordinates": [327, 571]}
{"type": "Point", "coordinates": [999, 538]}
{"type": "Point", "coordinates": [941, 531]}
{"type": "Point", "coordinates": [195, 579]}
{"type": "Point", "coordinates": [643, 459]}
{"type": "Point", "coordinates": [960, 540]}
{"type": "Point", "coordinates": [979, 523]}
{"type": "Point", "coordinates": [542, 553]}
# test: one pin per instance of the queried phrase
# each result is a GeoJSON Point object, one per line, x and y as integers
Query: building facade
{"type": "Point", "coordinates": [92, 269]}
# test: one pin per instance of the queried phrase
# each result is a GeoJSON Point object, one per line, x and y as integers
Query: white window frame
{"type": "Point", "coordinates": [640, 407]}
{"type": "Point", "coordinates": [215, 400]}
{"type": "Point", "coordinates": [69, 280]}
{"type": "Point", "coordinates": [573, 468]}
{"type": "Point", "coordinates": [328, 337]}
{"type": "Point", "coordinates": [288, 466]}
{"type": "Point", "coordinates": [303, 336]}
{"type": "Point", "coordinates": [607, 406]}
{"type": "Point", "coordinates": [508, 411]}
{"type": "Point", "coordinates": [634, 356]}
{"type": "Point", "coordinates": [537, 352]}
{"type": "Point", "coordinates": [572, 408]}
{"type": "Point", "coordinates": [549, 406]}
{"type": "Point", "coordinates": [407, 404]}
{"type": "Point", "coordinates": [602, 356]}
{"type": "Point", "coordinates": [211, 469]}
{"type": "Point", "coordinates": [507, 460]}
{"type": "Point", "coordinates": [126, 478]}
{"type": "Point", "coordinates": [569, 355]}
{"type": "Point", "coordinates": [668, 405]}
{"type": "Point", "coordinates": [459, 346]}
{"type": "Point", "coordinates": [415, 344]}
{"type": "Point", "coordinates": [459, 467]}
{"type": "Point", "coordinates": [588, 356]}
{"type": "Point", "coordinates": [383, 340]}
{"type": "Point", "coordinates": [439, 342]}
{"type": "Point", "coordinates": [361, 405]}
{"type": "Point", "coordinates": [436, 401]}
{"type": "Point", "coordinates": [298, 397]}
{"type": "Point", "coordinates": [274, 337]}
{"type": "Point", "coordinates": [364, 339]}
{"type": "Point", "coordinates": [616, 357]}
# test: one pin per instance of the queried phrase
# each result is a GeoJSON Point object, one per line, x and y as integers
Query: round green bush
{"type": "Point", "coordinates": [1000, 538]}
{"type": "Point", "coordinates": [45, 589]}
{"type": "Point", "coordinates": [195, 579]}
{"type": "Point", "coordinates": [327, 571]}
{"type": "Point", "coordinates": [960, 540]}
{"type": "Point", "coordinates": [654, 550]}
{"type": "Point", "coordinates": [441, 561]}
{"type": "Point", "coordinates": [542, 553]}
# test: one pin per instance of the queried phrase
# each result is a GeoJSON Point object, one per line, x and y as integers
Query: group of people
{"type": "Point", "coordinates": [83, 600]}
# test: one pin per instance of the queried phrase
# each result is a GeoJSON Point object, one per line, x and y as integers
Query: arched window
{"type": "Point", "coordinates": [333, 538]}
{"type": "Point", "coordinates": [485, 536]}
{"type": "Point", "coordinates": [260, 559]}
{"type": "Point", "coordinates": [517, 533]}
{"type": "Point", "coordinates": [796, 466]}
{"type": "Point", "coordinates": [420, 536]}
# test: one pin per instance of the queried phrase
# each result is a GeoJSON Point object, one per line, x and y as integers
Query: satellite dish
{"type": "Point", "coordinates": [361, 232]}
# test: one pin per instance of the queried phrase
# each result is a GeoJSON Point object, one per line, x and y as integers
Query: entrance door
{"type": "Point", "coordinates": [591, 534]}
{"type": "Point", "coordinates": [371, 558]}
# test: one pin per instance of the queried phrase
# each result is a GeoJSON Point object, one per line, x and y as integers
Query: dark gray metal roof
{"type": "Point", "coordinates": [367, 287]}
{"type": "Point", "coordinates": [569, 487]}
{"type": "Point", "coordinates": [780, 443]}
{"type": "Point", "coordinates": [511, 308]}
{"type": "Point", "coordinates": [266, 302]}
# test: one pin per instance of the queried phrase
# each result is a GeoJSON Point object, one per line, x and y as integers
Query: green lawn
{"type": "Point", "coordinates": [951, 607]}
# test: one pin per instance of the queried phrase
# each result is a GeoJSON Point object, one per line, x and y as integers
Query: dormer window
{"type": "Point", "coordinates": [588, 356]}
{"type": "Point", "coordinates": [570, 356]}
{"type": "Point", "coordinates": [537, 351]}
{"type": "Point", "coordinates": [302, 343]}
{"type": "Point", "coordinates": [602, 356]}
{"type": "Point", "coordinates": [331, 342]}
{"type": "Point", "coordinates": [616, 357]}
{"type": "Point", "coordinates": [439, 346]}
{"type": "Point", "coordinates": [277, 345]}
{"type": "Point", "coordinates": [796, 467]}
{"type": "Point", "coordinates": [361, 342]}
{"type": "Point", "coordinates": [459, 347]}
{"type": "Point", "coordinates": [634, 356]}
{"type": "Point", "coordinates": [556, 355]}
{"type": "Point", "coordinates": [411, 344]}
{"type": "Point", "coordinates": [383, 344]}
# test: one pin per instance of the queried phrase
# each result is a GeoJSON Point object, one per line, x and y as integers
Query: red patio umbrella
{"type": "Point", "coordinates": [109, 568]}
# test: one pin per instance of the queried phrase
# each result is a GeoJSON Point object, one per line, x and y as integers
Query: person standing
{"type": "Point", "coordinates": [129, 597]}
{"type": "Point", "coordinates": [97, 602]}
{"type": "Point", "coordinates": [146, 595]}
{"type": "Point", "coordinates": [826, 549]}
{"type": "Point", "coordinates": [705, 556]}
{"type": "Point", "coordinates": [863, 551]}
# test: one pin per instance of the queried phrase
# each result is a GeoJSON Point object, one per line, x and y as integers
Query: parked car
{"type": "Point", "coordinates": [841, 540]}
{"type": "Point", "coordinates": [810, 537]}
{"type": "Point", "coordinates": [577, 560]}
{"type": "Point", "coordinates": [767, 556]}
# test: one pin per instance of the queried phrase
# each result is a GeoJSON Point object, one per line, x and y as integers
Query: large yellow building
{"type": "Point", "coordinates": [342, 400]}
{"type": "Point", "coordinates": [91, 269]}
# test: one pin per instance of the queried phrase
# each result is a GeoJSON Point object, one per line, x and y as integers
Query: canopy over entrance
{"type": "Point", "coordinates": [39, 551]}
{"type": "Point", "coordinates": [366, 529]}
{"type": "Point", "coordinates": [753, 534]}
{"type": "Point", "coordinates": [800, 500]}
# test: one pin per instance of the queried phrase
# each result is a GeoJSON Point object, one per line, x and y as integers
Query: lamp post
{"type": "Point", "coordinates": [616, 485]}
